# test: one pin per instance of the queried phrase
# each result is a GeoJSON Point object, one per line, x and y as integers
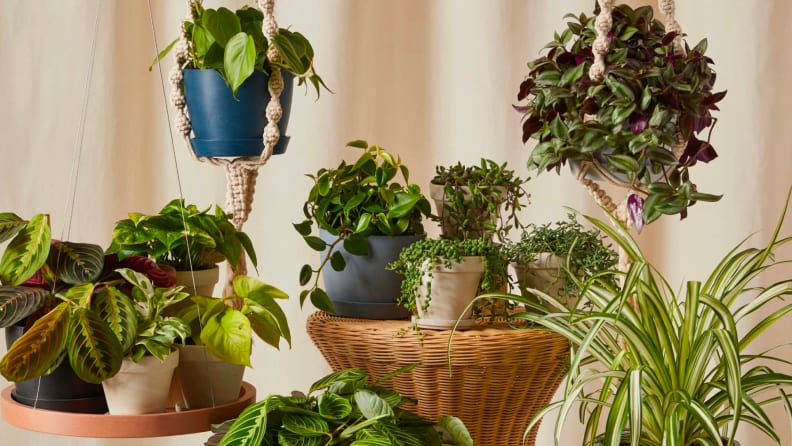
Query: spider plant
{"type": "Point", "coordinates": [655, 366]}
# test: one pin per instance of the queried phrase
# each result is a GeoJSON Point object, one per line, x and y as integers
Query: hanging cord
{"type": "Point", "coordinates": [181, 191]}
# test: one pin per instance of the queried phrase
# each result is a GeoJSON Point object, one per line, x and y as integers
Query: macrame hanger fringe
{"type": "Point", "coordinates": [241, 173]}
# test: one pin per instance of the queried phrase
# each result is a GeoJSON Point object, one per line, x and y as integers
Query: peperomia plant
{"type": "Point", "coordinates": [653, 98]}
{"type": "Point", "coordinates": [354, 201]}
{"type": "Point", "coordinates": [227, 325]}
{"type": "Point", "coordinates": [234, 45]}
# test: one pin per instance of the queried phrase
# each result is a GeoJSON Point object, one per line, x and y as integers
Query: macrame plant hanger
{"type": "Point", "coordinates": [604, 23]}
{"type": "Point", "coordinates": [241, 173]}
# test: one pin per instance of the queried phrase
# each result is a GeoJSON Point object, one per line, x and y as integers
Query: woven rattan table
{"type": "Point", "coordinates": [499, 377]}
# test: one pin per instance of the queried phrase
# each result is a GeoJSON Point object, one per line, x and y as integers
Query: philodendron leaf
{"type": "Point", "coordinates": [38, 348]}
{"type": "Point", "coordinates": [118, 311]}
{"type": "Point", "coordinates": [228, 336]}
{"type": "Point", "coordinates": [267, 317]}
{"type": "Point", "coordinates": [10, 225]}
{"type": "Point", "coordinates": [94, 351]}
{"type": "Point", "coordinates": [333, 406]}
{"type": "Point", "coordinates": [457, 430]}
{"type": "Point", "coordinates": [17, 303]}
{"type": "Point", "coordinates": [305, 425]}
{"type": "Point", "coordinates": [249, 427]}
{"type": "Point", "coordinates": [76, 263]}
{"type": "Point", "coordinates": [223, 24]}
{"type": "Point", "coordinates": [244, 286]}
{"type": "Point", "coordinates": [372, 406]}
{"type": "Point", "coordinates": [27, 252]}
{"type": "Point", "coordinates": [239, 60]}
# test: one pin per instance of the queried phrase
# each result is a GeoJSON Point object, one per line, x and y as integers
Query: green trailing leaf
{"type": "Point", "coordinates": [95, 353]}
{"type": "Point", "coordinates": [38, 348]}
{"type": "Point", "coordinates": [337, 262]}
{"type": "Point", "coordinates": [356, 245]}
{"type": "Point", "coordinates": [76, 263]}
{"type": "Point", "coordinates": [17, 303]}
{"type": "Point", "coordinates": [27, 252]}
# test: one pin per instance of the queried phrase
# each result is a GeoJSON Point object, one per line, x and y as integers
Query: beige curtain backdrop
{"type": "Point", "coordinates": [432, 80]}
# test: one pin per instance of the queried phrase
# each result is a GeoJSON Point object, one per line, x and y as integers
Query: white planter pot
{"type": "Point", "coordinates": [205, 281]}
{"type": "Point", "coordinates": [452, 289]}
{"type": "Point", "coordinates": [546, 274]}
{"type": "Point", "coordinates": [203, 380]}
{"type": "Point", "coordinates": [448, 225]}
{"type": "Point", "coordinates": [140, 387]}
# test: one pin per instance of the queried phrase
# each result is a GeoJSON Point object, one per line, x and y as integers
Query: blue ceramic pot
{"type": "Point", "coordinates": [224, 126]}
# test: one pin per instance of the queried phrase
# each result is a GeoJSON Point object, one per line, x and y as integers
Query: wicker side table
{"type": "Point", "coordinates": [499, 378]}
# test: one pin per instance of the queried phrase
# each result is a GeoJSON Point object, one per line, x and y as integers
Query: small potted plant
{"type": "Point", "coordinates": [55, 302]}
{"type": "Point", "coordinates": [556, 259]}
{"type": "Point", "coordinates": [148, 345]}
{"type": "Point", "coordinates": [364, 215]}
{"type": "Point", "coordinates": [639, 126]}
{"type": "Point", "coordinates": [674, 365]}
{"type": "Point", "coordinates": [212, 366]}
{"type": "Point", "coordinates": [478, 200]}
{"type": "Point", "coordinates": [342, 408]}
{"type": "Point", "coordinates": [227, 64]}
{"type": "Point", "coordinates": [443, 276]}
{"type": "Point", "coordinates": [185, 238]}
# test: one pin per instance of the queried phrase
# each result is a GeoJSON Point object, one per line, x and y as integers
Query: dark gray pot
{"type": "Point", "coordinates": [365, 289]}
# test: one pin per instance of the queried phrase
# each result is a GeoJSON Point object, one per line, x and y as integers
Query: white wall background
{"type": "Point", "coordinates": [432, 80]}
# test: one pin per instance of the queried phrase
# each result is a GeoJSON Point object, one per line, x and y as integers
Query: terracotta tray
{"type": "Point", "coordinates": [121, 426]}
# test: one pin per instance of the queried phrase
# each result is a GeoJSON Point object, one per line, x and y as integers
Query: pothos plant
{"type": "Point", "coordinates": [417, 261]}
{"type": "Point", "coordinates": [71, 299]}
{"type": "Point", "coordinates": [234, 44]}
{"type": "Point", "coordinates": [344, 409]}
{"type": "Point", "coordinates": [653, 97]}
{"type": "Point", "coordinates": [479, 199]}
{"type": "Point", "coordinates": [227, 325]}
{"type": "Point", "coordinates": [353, 201]}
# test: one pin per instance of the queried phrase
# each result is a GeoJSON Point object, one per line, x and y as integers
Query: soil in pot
{"type": "Point", "coordinates": [61, 390]}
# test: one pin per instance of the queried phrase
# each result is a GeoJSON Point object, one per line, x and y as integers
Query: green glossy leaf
{"type": "Point", "coordinates": [372, 405]}
{"type": "Point", "coordinates": [239, 60]}
{"type": "Point", "coordinates": [620, 89]}
{"type": "Point", "coordinates": [38, 348]}
{"type": "Point", "coordinates": [321, 301]}
{"type": "Point", "coordinates": [404, 204]}
{"type": "Point", "coordinates": [76, 263]}
{"type": "Point", "coordinates": [10, 225]}
{"type": "Point", "coordinates": [359, 143]}
{"type": "Point", "coordinates": [363, 223]}
{"type": "Point", "coordinates": [356, 245]}
{"type": "Point", "coordinates": [305, 425]}
{"type": "Point", "coordinates": [303, 228]}
{"type": "Point", "coordinates": [305, 274]}
{"type": "Point", "coordinates": [17, 303]}
{"type": "Point", "coordinates": [341, 376]}
{"type": "Point", "coordinates": [27, 252]}
{"type": "Point", "coordinates": [333, 406]}
{"type": "Point", "coordinates": [228, 336]}
{"type": "Point", "coordinates": [316, 243]}
{"type": "Point", "coordinates": [94, 351]}
{"type": "Point", "coordinates": [223, 25]}
{"type": "Point", "coordinates": [337, 261]}
{"type": "Point", "coordinates": [268, 319]}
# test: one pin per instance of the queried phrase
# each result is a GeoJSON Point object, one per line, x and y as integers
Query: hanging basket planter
{"type": "Point", "coordinates": [225, 126]}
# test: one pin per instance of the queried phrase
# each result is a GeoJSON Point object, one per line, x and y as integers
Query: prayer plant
{"type": "Point", "coordinates": [655, 365]}
{"type": "Point", "coordinates": [624, 128]}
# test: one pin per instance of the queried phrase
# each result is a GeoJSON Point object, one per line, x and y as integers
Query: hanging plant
{"type": "Point", "coordinates": [644, 125]}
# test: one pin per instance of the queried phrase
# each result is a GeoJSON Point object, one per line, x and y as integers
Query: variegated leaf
{"type": "Point", "coordinates": [118, 311]}
{"type": "Point", "coordinates": [38, 348]}
{"type": "Point", "coordinates": [27, 252]}
{"type": "Point", "coordinates": [10, 225]}
{"type": "Point", "coordinates": [79, 295]}
{"type": "Point", "coordinates": [305, 425]}
{"type": "Point", "coordinates": [17, 303]}
{"type": "Point", "coordinates": [94, 351]}
{"type": "Point", "coordinates": [249, 427]}
{"type": "Point", "coordinates": [76, 263]}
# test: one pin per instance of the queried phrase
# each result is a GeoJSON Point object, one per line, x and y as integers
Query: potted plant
{"type": "Point", "coordinates": [640, 126]}
{"type": "Point", "coordinates": [364, 216]}
{"type": "Point", "coordinates": [183, 237]}
{"type": "Point", "coordinates": [61, 300]}
{"type": "Point", "coordinates": [557, 259]}
{"type": "Point", "coordinates": [442, 276]}
{"type": "Point", "coordinates": [477, 200]}
{"type": "Point", "coordinates": [143, 381]}
{"type": "Point", "coordinates": [342, 408]}
{"type": "Point", "coordinates": [227, 63]}
{"type": "Point", "coordinates": [211, 367]}
{"type": "Point", "coordinates": [669, 365]}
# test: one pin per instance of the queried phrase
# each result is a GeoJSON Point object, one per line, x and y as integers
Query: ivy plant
{"type": "Point", "coordinates": [227, 325]}
{"type": "Point", "coordinates": [353, 201]}
{"type": "Point", "coordinates": [234, 44]}
{"type": "Point", "coordinates": [479, 199]}
{"type": "Point", "coordinates": [344, 409]}
{"type": "Point", "coordinates": [652, 98]}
